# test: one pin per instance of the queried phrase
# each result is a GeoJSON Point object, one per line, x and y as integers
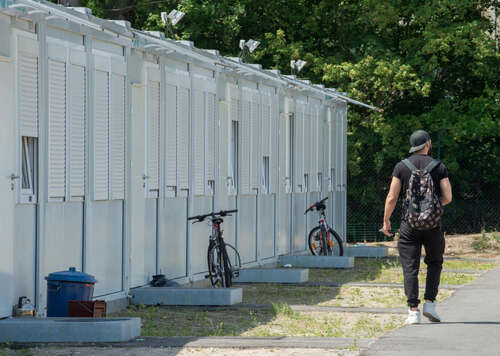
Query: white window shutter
{"type": "Point", "coordinates": [77, 94]}
{"type": "Point", "coordinates": [255, 156]}
{"type": "Point", "coordinates": [153, 135]}
{"type": "Point", "coordinates": [307, 141]}
{"type": "Point", "coordinates": [223, 142]}
{"type": "Point", "coordinates": [198, 142]}
{"type": "Point", "coordinates": [266, 128]}
{"type": "Point", "coordinates": [28, 95]}
{"type": "Point", "coordinates": [210, 137]}
{"type": "Point", "coordinates": [57, 130]}
{"type": "Point", "coordinates": [183, 138]}
{"type": "Point", "coordinates": [245, 135]}
{"type": "Point", "coordinates": [274, 136]}
{"type": "Point", "coordinates": [299, 149]}
{"type": "Point", "coordinates": [314, 149]}
{"type": "Point", "coordinates": [338, 145]}
{"type": "Point", "coordinates": [117, 137]}
{"type": "Point", "coordinates": [171, 136]}
{"type": "Point", "coordinates": [101, 139]}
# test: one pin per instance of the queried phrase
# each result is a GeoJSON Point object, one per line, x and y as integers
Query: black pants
{"type": "Point", "coordinates": [410, 247]}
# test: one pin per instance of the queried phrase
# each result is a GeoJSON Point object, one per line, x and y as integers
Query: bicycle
{"type": "Point", "coordinates": [321, 242]}
{"type": "Point", "coordinates": [221, 270]}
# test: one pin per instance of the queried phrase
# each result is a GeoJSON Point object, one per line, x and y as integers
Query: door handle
{"type": "Point", "coordinates": [13, 176]}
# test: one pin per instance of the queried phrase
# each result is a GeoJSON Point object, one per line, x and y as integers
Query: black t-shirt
{"type": "Point", "coordinates": [420, 161]}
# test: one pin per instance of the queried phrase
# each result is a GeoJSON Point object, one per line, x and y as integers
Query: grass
{"type": "Point", "coordinates": [280, 320]}
{"type": "Point", "coordinates": [485, 241]}
{"type": "Point", "coordinates": [344, 296]}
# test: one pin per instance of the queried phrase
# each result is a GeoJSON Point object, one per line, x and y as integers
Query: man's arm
{"type": "Point", "coordinates": [390, 204]}
{"type": "Point", "coordinates": [446, 195]}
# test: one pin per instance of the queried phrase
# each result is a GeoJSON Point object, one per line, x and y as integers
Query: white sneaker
{"type": "Point", "coordinates": [413, 317]}
{"type": "Point", "coordinates": [430, 312]}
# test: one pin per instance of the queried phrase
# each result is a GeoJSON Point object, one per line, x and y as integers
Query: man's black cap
{"type": "Point", "coordinates": [418, 139]}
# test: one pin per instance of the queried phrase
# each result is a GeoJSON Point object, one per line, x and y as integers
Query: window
{"type": "Point", "coordinates": [306, 183]}
{"type": "Point", "coordinates": [233, 157]}
{"type": "Point", "coordinates": [29, 169]}
{"type": "Point", "coordinates": [320, 182]}
{"type": "Point", "coordinates": [265, 174]}
{"type": "Point", "coordinates": [28, 115]}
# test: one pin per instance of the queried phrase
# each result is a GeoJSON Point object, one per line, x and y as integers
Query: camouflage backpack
{"type": "Point", "coordinates": [423, 207]}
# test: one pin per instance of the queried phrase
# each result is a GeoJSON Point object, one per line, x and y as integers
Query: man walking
{"type": "Point", "coordinates": [426, 188]}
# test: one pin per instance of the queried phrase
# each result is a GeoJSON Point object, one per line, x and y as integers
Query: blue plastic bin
{"type": "Point", "coordinates": [67, 285]}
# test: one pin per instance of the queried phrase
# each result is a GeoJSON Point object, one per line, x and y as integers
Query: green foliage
{"type": "Point", "coordinates": [429, 65]}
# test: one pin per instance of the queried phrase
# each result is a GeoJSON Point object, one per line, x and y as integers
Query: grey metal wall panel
{"type": "Point", "coordinates": [24, 250]}
{"type": "Point", "coordinates": [63, 237]}
{"type": "Point", "coordinates": [172, 238]}
{"type": "Point", "coordinates": [247, 228]}
{"type": "Point", "coordinates": [266, 221]}
{"type": "Point", "coordinates": [104, 244]}
{"type": "Point", "coordinates": [198, 235]}
{"type": "Point", "coordinates": [284, 226]}
{"type": "Point", "coordinates": [149, 239]}
{"type": "Point", "coordinates": [299, 222]}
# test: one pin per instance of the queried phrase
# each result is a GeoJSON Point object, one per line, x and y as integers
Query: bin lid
{"type": "Point", "coordinates": [71, 275]}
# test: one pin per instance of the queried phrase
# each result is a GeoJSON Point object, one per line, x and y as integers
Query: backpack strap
{"type": "Point", "coordinates": [431, 165]}
{"type": "Point", "coordinates": [410, 165]}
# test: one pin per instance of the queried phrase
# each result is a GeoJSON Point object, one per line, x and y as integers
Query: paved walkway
{"type": "Point", "coordinates": [471, 325]}
{"type": "Point", "coordinates": [241, 342]}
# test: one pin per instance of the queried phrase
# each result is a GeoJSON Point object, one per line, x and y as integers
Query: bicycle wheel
{"type": "Point", "coordinates": [318, 247]}
{"type": "Point", "coordinates": [216, 266]}
{"type": "Point", "coordinates": [336, 246]}
{"type": "Point", "coordinates": [232, 263]}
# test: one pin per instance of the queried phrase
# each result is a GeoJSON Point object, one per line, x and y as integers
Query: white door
{"type": "Point", "coordinates": [137, 175]}
{"type": "Point", "coordinates": [7, 195]}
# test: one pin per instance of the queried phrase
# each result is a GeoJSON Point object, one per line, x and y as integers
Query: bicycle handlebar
{"type": "Point", "coordinates": [201, 218]}
{"type": "Point", "coordinates": [315, 205]}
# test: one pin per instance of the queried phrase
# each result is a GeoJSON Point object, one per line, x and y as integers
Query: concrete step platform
{"type": "Point", "coordinates": [366, 251]}
{"type": "Point", "coordinates": [186, 296]}
{"type": "Point", "coordinates": [318, 261]}
{"type": "Point", "coordinates": [69, 329]}
{"type": "Point", "coordinates": [273, 275]}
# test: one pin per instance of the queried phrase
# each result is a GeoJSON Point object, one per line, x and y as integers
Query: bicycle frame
{"type": "Point", "coordinates": [325, 229]}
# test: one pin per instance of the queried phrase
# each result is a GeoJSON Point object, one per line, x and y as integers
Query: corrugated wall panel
{"type": "Point", "coordinates": [57, 130]}
{"type": "Point", "coordinates": [171, 135]}
{"type": "Point", "coordinates": [154, 135]}
{"type": "Point", "coordinates": [117, 137]}
{"type": "Point", "coordinates": [77, 130]}
{"type": "Point", "coordinates": [183, 138]}
{"type": "Point", "coordinates": [28, 95]}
